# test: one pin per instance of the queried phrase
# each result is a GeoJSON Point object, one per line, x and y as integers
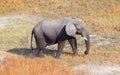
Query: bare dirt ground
{"type": "Point", "coordinates": [97, 40]}
{"type": "Point", "coordinates": [6, 20]}
{"type": "Point", "coordinates": [98, 69]}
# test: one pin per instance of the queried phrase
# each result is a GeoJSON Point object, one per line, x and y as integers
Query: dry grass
{"type": "Point", "coordinates": [83, 72]}
{"type": "Point", "coordinates": [57, 9]}
{"type": "Point", "coordinates": [17, 65]}
{"type": "Point", "coordinates": [99, 56]}
{"type": "Point", "coordinates": [101, 17]}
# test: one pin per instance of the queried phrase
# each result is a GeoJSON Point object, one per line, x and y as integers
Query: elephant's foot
{"type": "Point", "coordinates": [40, 55]}
{"type": "Point", "coordinates": [36, 53]}
{"type": "Point", "coordinates": [57, 57]}
{"type": "Point", "coordinates": [31, 55]}
{"type": "Point", "coordinates": [86, 52]}
{"type": "Point", "coordinates": [76, 54]}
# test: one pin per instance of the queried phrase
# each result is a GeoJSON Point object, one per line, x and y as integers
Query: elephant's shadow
{"type": "Point", "coordinates": [26, 51]}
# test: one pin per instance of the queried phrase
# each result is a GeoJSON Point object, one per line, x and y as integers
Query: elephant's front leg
{"type": "Point", "coordinates": [61, 45]}
{"type": "Point", "coordinates": [73, 44]}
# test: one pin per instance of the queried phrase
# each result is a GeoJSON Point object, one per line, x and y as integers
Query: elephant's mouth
{"type": "Point", "coordinates": [78, 33]}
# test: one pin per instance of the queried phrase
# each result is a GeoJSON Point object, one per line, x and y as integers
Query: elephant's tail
{"type": "Point", "coordinates": [32, 39]}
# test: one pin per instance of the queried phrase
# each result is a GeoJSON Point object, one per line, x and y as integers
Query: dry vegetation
{"type": "Point", "coordinates": [102, 17]}
{"type": "Point", "coordinates": [17, 65]}
{"type": "Point", "coordinates": [97, 14]}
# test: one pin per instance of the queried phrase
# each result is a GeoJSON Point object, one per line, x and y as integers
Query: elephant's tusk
{"type": "Point", "coordinates": [85, 38]}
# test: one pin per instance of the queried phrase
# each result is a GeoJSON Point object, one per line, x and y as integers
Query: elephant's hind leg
{"type": "Point", "coordinates": [41, 44]}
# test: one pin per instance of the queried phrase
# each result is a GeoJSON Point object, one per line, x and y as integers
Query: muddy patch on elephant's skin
{"type": "Point", "coordinates": [98, 69]}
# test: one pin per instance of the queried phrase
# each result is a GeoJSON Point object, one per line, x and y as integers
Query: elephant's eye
{"type": "Point", "coordinates": [76, 24]}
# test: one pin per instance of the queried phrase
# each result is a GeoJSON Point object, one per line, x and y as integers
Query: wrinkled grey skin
{"type": "Point", "coordinates": [48, 32]}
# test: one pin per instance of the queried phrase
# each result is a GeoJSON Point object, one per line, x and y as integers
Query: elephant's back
{"type": "Point", "coordinates": [51, 25]}
{"type": "Point", "coordinates": [51, 22]}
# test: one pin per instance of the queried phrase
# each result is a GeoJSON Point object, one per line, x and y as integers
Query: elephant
{"type": "Point", "coordinates": [49, 31]}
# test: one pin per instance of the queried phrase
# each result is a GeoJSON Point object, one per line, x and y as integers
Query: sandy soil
{"type": "Point", "coordinates": [98, 69]}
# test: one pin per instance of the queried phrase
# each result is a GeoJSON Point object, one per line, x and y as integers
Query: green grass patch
{"type": "Point", "coordinates": [15, 35]}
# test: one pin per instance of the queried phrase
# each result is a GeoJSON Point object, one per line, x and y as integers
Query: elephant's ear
{"type": "Point", "coordinates": [70, 29]}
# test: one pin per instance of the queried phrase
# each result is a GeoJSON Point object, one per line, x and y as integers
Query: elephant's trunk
{"type": "Point", "coordinates": [86, 37]}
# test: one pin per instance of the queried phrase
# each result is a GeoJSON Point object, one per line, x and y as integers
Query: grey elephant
{"type": "Point", "coordinates": [49, 31]}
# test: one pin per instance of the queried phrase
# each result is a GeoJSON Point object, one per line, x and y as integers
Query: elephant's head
{"type": "Point", "coordinates": [77, 26]}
